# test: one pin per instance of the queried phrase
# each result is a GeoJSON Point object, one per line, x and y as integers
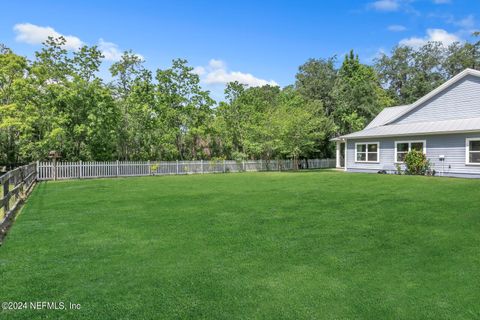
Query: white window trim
{"type": "Point", "coordinates": [409, 147]}
{"type": "Point", "coordinates": [467, 152]}
{"type": "Point", "coordinates": [366, 156]}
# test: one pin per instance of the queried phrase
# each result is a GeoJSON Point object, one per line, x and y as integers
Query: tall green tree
{"type": "Point", "coordinates": [12, 70]}
{"type": "Point", "coordinates": [315, 80]}
{"type": "Point", "coordinates": [358, 95]}
{"type": "Point", "coordinates": [188, 110]}
{"type": "Point", "coordinates": [126, 73]}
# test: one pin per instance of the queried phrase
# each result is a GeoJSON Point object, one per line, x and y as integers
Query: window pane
{"type": "Point", "coordinates": [418, 146]}
{"type": "Point", "coordinates": [401, 156]}
{"type": "Point", "coordinates": [372, 156]}
{"type": "Point", "coordinates": [475, 145]}
{"type": "Point", "coordinates": [372, 148]}
{"type": "Point", "coordinates": [361, 147]}
{"type": "Point", "coordinates": [361, 156]}
{"type": "Point", "coordinates": [403, 146]}
{"type": "Point", "coordinates": [474, 157]}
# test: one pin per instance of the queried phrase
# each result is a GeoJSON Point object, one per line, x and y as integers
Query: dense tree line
{"type": "Point", "coordinates": [58, 102]}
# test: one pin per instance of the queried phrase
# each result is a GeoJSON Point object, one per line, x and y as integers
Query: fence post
{"type": "Point", "coordinates": [224, 166]}
{"type": "Point", "coordinates": [177, 166]}
{"type": "Point", "coordinates": [6, 204]}
{"type": "Point", "coordinates": [37, 170]}
{"type": "Point", "coordinates": [54, 169]}
{"type": "Point", "coordinates": [201, 164]}
{"type": "Point", "coordinates": [243, 165]}
{"type": "Point", "coordinates": [117, 169]}
{"type": "Point", "coordinates": [80, 174]}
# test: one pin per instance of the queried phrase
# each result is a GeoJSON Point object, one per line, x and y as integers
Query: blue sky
{"type": "Point", "coordinates": [255, 42]}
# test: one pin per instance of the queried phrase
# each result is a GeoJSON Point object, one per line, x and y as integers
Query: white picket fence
{"type": "Point", "coordinates": [96, 169]}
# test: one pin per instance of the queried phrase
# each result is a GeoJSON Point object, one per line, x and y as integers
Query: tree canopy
{"type": "Point", "coordinates": [57, 101]}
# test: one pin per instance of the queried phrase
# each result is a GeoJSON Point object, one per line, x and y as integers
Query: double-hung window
{"type": "Point", "coordinates": [367, 152]}
{"type": "Point", "coordinates": [403, 147]}
{"type": "Point", "coordinates": [473, 151]}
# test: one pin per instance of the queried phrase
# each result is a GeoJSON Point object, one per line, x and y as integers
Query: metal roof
{"type": "Point", "coordinates": [419, 128]}
{"type": "Point", "coordinates": [386, 115]}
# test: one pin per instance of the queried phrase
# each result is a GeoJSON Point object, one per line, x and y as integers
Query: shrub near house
{"type": "Point", "coordinates": [416, 163]}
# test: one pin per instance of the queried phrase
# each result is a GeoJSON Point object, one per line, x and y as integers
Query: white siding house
{"type": "Point", "coordinates": [444, 124]}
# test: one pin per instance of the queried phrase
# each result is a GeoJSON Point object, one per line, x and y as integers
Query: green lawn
{"type": "Point", "coordinates": [307, 245]}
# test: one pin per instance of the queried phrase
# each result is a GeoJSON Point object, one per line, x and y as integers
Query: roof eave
{"type": "Point", "coordinates": [412, 134]}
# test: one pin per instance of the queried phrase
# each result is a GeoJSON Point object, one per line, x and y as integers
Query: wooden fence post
{"type": "Point", "coordinates": [6, 204]}
{"type": "Point", "coordinates": [224, 166]}
{"type": "Point", "coordinates": [37, 170]}
{"type": "Point", "coordinates": [201, 164]}
{"type": "Point", "coordinates": [80, 169]}
{"type": "Point", "coordinates": [177, 166]}
{"type": "Point", "coordinates": [54, 169]}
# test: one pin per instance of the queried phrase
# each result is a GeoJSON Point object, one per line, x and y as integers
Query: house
{"type": "Point", "coordinates": [444, 124]}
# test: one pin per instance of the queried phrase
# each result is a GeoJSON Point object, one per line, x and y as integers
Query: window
{"type": "Point", "coordinates": [402, 150]}
{"type": "Point", "coordinates": [403, 147]}
{"type": "Point", "coordinates": [366, 152]}
{"type": "Point", "coordinates": [473, 151]}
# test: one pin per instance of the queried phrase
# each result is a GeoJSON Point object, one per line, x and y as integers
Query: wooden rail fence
{"type": "Point", "coordinates": [95, 169]}
{"type": "Point", "coordinates": [15, 187]}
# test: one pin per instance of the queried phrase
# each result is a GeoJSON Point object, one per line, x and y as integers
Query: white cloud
{"type": "Point", "coordinates": [217, 64]}
{"type": "Point", "coordinates": [199, 70]}
{"type": "Point", "coordinates": [468, 22]}
{"type": "Point", "coordinates": [385, 5]}
{"type": "Point", "coordinates": [438, 35]}
{"type": "Point", "coordinates": [396, 28]}
{"type": "Point", "coordinates": [217, 73]}
{"type": "Point", "coordinates": [33, 34]}
{"type": "Point", "coordinates": [111, 52]}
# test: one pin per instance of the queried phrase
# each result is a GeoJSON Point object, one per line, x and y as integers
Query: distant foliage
{"type": "Point", "coordinates": [417, 163]}
{"type": "Point", "coordinates": [407, 74]}
{"type": "Point", "coordinates": [58, 102]}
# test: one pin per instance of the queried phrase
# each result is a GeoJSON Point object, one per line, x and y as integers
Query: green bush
{"type": "Point", "coordinates": [416, 163]}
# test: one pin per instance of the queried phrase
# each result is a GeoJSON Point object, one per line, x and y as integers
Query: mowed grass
{"type": "Point", "coordinates": [306, 245]}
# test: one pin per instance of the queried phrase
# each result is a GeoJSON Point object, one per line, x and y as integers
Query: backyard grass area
{"type": "Point", "coordinates": [306, 245]}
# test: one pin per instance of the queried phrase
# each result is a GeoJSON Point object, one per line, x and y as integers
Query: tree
{"type": "Point", "coordinates": [12, 69]}
{"type": "Point", "coordinates": [315, 80]}
{"type": "Point", "coordinates": [300, 126]}
{"type": "Point", "coordinates": [460, 56]}
{"type": "Point", "coordinates": [187, 109]}
{"type": "Point", "coordinates": [244, 116]}
{"type": "Point", "coordinates": [358, 95]}
{"type": "Point", "coordinates": [408, 74]}
{"type": "Point", "coordinates": [395, 71]}
{"type": "Point", "coordinates": [126, 72]}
